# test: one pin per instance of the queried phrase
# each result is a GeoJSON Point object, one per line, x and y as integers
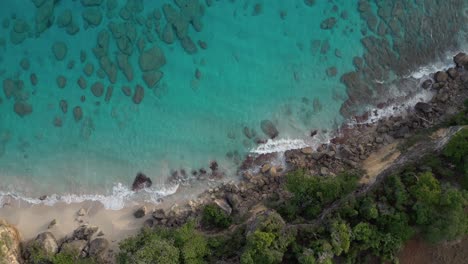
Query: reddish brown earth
{"type": "Point", "coordinates": [417, 251]}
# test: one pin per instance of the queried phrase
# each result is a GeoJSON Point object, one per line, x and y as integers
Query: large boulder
{"type": "Point", "coordinates": [9, 244]}
{"type": "Point", "coordinates": [75, 247]}
{"type": "Point", "coordinates": [47, 243]}
{"type": "Point", "coordinates": [98, 247]}
{"type": "Point", "coordinates": [84, 232]}
{"type": "Point", "coordinates": [461, 59]}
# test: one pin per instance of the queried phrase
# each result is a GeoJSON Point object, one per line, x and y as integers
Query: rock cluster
{"type": "Point", "coordinates": [400, 21]}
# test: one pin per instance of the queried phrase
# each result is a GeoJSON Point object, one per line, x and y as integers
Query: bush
{"type": "Point", "coordinates": [311, 194]}
{"type": "Point", "coordinates": [213, 216]}
{"type": "Point", "coordinates": [457, 149]}
{"type": "Point", "coordinates": [147, 247]}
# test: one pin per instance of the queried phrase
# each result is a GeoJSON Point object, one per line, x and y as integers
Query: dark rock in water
{"type": "Point", "coordinates": [91, 2]}
{"type": "Point", "coordinates": [88, 69]}
{"type": "Point", "coordinates": [82, 56]}
{"type": "Point", "coordinates": [9, 87]}
{"type": "Point", "coordinates": [82, 82]}
{"type": "Point", "coordinates": [202, 44]}
{"type": "Point", "coordinates": [141, 181]}
{"type": "Point", "coordinates": [65, 18]}
{"type": "Point", "coordinates": [426, 84]}
{"type": "Point", "coordinates": [328, 23]}
{"type": "Point", "coordinates": [58, 122]}
{"type": "Point", "coordinates": [423, 107]}
{"type": "Point", "coordinates": [461, 59]}
{"type": "Point", "coordinates": [249, 133]}
{"type": "Point", "coordinates": [269, 128]}
{"type": "Point", "coordinates": [140, 212]}
{"type": "Point", "coordinates": [92, 16]}
{"type": "Point", "coordinates": [313, 133]}
{"type": "Point", "coordinates": [202, 171]}
{"type": "Point", "coordinates": [60, 50]}
{"type": "Point", "coordinates": [33, 79]}
{"type": "Point", "coordinates": [188, 45]}
{"type": "Point", "coordinates": [138, 95]}
{"type": "Point", "coordinates": [109, 92]}
{"type": "Point", "coordinates": [441, 76]}
{"type": "Point", "coordinates": [152, 59]}
{"type": "Point", "coordinates": [332, 72]}
{"type": "Point", "coordinates": [24, 63]}
{"type": "Point", "coordinates": [257, 10]}
{"type": "Point", "coordinates": [61, 81]}
{"type": "Point", "coordinates": [77, 113]}
{"type": "Point", "coordinates": [22, 108]}
{"type": "Point", "coordinates": [309, 2]}
{"type": "Point", "coordinates": [63, 106]}
{"type": "Point", "coordinates": [214, 165]}
{"type": "Point", "coordinates": [125, 66]}
{"type": "Point", "coordinates": [97, 89]}
{"type": "Point", "coordinates": [152, 78]}
{"type": "Point", "coordinates": [127, 90]}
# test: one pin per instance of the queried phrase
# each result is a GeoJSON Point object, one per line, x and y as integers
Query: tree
{"type": "Point", "coordinates": [340, 237]}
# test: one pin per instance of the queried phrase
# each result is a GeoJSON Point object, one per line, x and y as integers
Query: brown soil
{"type": "Point", "coordinates": [379, 161]}
{"type": "Point", "coordinates": [417, 251]}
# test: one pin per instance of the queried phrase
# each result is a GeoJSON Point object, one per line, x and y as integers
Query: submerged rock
{"type": "Point", "coordinates": [60, 50]}
{"type": "Point", "coordinates": [141, 181]}
{"type": "Point", "coordinates": [77, 113]}
{"type": "Point", "coordinates": [269, 129]}
{"type": "Point", "coordinates": [138, 95]}
{"type": "Point", "coordinates": [22, 108]}
{"type": "Point", "coordinates": [152, 59]}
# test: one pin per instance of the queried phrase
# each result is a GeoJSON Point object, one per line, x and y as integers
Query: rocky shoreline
{"type": "Point", "coordinates": [262, 177]}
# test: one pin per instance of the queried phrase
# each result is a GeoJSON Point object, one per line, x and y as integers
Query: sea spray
{"type": "Point", "coordinates": [120, 197]}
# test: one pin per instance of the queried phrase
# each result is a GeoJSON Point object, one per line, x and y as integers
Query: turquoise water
{"type": "Point", "coordinates": [263, 60]}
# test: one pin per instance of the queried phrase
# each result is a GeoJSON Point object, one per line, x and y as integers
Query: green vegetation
{"type": "Point", "coordinates": [428, 199]}
{"type": "Point", "coordinates": [311, 194]}
{"type": "Point", "coordinates": [38, 256]}
{"type": "Point", "coordinates": [181, 245]}
{"type": "Point", "coordinates": [214, 217]}
{"type": "Point", "coordinates": [461, 118]}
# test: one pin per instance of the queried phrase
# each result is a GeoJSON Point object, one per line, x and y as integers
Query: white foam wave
{"type": "Point", "coordinates": [279, 145]}
{"type": "Point", "coordinates": [427, 70]}
{"type": "Point", "coordinates": [400, 109]}
{"type": "Point", "coordinates": [120, 197]}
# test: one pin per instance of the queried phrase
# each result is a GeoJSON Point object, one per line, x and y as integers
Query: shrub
{"type": "Point", "coordinates": [147, 247]}
{"type": "Point", "coordinates": [311, 194]}
{"type": "Point", "coordinates": [457, 149]}
{"type": "Point", "coordinates": [213, 216]}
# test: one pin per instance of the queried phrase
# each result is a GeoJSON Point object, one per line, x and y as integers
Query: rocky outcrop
{"type": "Point", "coordinates": [141, 181]}
{"type": "Point", "coordinates": [9, 244]}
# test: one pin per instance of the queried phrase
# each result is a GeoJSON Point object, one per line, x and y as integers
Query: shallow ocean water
{"type": "Point", "coordinates": [263, 60]}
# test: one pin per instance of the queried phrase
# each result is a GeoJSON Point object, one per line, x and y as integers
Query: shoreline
{"type": "Point", "coordinates": [261, 174]}
{"type": "Point", "coordinates": [123, 195]}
